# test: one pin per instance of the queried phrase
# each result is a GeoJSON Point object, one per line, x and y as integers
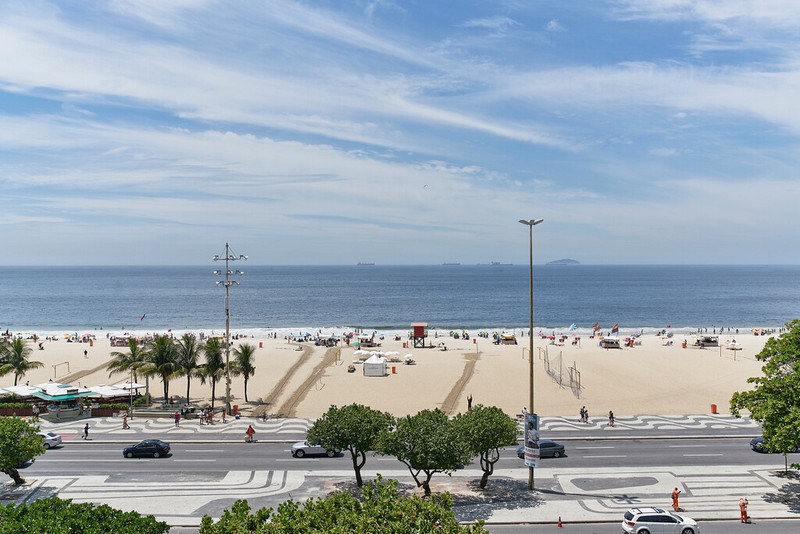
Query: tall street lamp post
{"type": "Point", "coordinates": [229, 257]}
{"type": "Point", "coordinates": [530, 224]}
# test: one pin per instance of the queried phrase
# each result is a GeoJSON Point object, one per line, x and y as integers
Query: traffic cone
{"type": "Point", "coordinates": [559, 523]}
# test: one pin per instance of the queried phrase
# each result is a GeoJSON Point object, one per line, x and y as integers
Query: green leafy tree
{"type": "Point", "coordinates": [19, 442]}
{"type": "Point", "coordinates": [774, 400]}
{"type": "Point", "coordinates": [214, 368]}
{"type": "Point", "coordinates": [15, 359]}
{"type": "Point", "coordinates": [485, 430]}
{"type": "Point", "coordinates": [127, 362]}
{"type": "Point", "coordinates": [161, 361]}
{"type": "Point", "coordinates": [244, 364]}
{"type": "Point", "coordinates": [380, 509]}
{"type": "Point", "coordinates": [187, 360]}
{"type": "Point", "coordinates": [427, 443]}
{"type": "Point", "coordinates": [62, 516]}
{"type": "Point", "coordinates": [354, 428]}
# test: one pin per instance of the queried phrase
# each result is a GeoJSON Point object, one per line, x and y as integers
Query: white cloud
{"type": "Point", "coordinates": [499, 23]}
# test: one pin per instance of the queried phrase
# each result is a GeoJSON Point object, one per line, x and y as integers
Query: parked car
{"type": "Point", "coordinates": [149, 447]}
{"type": "Point", "coordinates": [656, 521]}
{"type": "Point", "coordinates": [757, 444]}
{"type": "Point", "coordinates": [547, 449]}
{"type": "Point", "coordinates": [304, 448]}
{"type": "Point", "coordinates": [51, 439]}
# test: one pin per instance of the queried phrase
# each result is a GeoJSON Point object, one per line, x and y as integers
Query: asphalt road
{"type": "Point", "coordinates": [103, 458]}
{"type": "Point", "coordinates": [707, 527]}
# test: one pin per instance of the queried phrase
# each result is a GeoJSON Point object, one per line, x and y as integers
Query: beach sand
{"type": "Point", "coordinates": [301, 380]}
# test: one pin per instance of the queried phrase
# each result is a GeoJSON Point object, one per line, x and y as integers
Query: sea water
{"type": "Point", "coordinates": [389, 298]}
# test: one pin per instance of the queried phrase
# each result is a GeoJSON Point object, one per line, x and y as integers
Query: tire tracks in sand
{"type": "Point", "coordinates": [450, 402]}
{"type": "Point", "coordinates": [278, 389]}
{"type": "Point", "coordinates": [288, 408]}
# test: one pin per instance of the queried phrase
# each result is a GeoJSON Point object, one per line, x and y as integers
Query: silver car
{"type": "Point", "coordinates": [304, 448]}
{"type": "Point", "coordinates": [657, 521]}
{"type": "Point", "coordinates": [50, 439]}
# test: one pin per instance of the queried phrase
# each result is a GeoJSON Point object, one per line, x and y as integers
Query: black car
{"type": "Point", "coordinates": [757, 444]}
{"type": "Point", "coordinates": [149, 447]}
{"type": "Point", "coordinates": [547, 448]}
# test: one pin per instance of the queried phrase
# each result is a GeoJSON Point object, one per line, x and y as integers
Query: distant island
{"type": "Point", "coordinates": [565, 261]}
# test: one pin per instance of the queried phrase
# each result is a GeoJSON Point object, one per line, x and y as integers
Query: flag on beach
{"type": "Point", "coordinates": [572, 327]}
{"type": "Point", "coordinates": [142, 317]}
{"type": "Point", "coordinates": [596, 327]}
{"type": "Point", "coordinates": [615, 329]}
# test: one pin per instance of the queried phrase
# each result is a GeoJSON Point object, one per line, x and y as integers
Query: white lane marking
{"type": "Point", "coordinates": [590, 448]}
{"type": "Point", "coordinates": [202, 450]}
{"type": "Point", "coordinates": [608, 456]}
{"type": "Point", "coordinates": [688, 446]}
{"type": "Point", "coordinates": [719, 454]}
{"type": "Point", "coordinates": [296, 459]}
{"type": "Point", "coordinates": [197, 460]}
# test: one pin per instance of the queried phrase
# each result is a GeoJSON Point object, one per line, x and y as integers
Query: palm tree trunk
{"type": "Point", "coordinates": [165, 379]}
{"type": "Point", "coordinates": [188, 383]}
{"type": "Point", "coordinates": [245, 388]}
{"type": "Point", "coordinates": [213, 389]}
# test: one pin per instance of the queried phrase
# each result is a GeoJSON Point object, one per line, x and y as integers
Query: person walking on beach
{"type": "Point", "coordinates": [86, 431]}
{"type": "Point", "coordinates": [675, 494]}
{"type": "Point", "coordinates": [611, 419]}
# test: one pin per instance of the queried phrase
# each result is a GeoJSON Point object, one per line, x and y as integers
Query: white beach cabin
{"type": "Point", "coordinates": [375, 366]}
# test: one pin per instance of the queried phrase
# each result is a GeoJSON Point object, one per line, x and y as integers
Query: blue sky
{"type": "Point", "coordinates": [399, 132]}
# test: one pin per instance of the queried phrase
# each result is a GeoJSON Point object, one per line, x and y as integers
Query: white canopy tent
{"type": "Point", "coordinates": [375, 366]}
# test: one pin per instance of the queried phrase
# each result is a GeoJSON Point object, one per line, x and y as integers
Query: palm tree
{"type": "Point", "coordinates": [15, 360]}
{"type": "Point", "coordinates": [245, 358]}
{"type": "Point", "coordinates": [187, 360]}
{"type": "Point", "coordinates": [214, 367]}
{"type": "Point", "coordinates": [123, 362]}
{"type": "Point", "coordinates": [161, 361]}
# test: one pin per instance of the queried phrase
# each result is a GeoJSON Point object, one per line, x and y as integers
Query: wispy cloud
{"type": "Point", "coordinates": [176, 124]}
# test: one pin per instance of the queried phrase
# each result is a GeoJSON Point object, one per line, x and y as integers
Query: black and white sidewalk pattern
{"type": "Point", "coordinates": [295, 426]}
{"type": "Point", "coordinates": [648, 422]}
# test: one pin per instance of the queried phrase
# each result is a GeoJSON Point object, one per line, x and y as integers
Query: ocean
{"type": "Point", "coordinates": [389, 298]}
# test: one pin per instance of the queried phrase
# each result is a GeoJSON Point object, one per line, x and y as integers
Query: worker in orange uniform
{"type": "Point", "coordinates": [743, 510]}
{"type": "Point", "coordinates": [675, 494]}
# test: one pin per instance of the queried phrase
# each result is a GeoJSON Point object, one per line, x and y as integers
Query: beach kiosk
{"type": "Point", "coordinates": [418, 334]}
{"type": "Point", "coordinates": [375, 366]}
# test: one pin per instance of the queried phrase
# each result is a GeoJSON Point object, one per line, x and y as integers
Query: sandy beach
{"type": "Point", "coordinates": [302, 380]}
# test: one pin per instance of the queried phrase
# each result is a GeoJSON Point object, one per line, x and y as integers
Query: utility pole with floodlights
{"type": "Point", "coordinates": [228, 257]}
{"type": "Point", "coordinates": [530, 224]}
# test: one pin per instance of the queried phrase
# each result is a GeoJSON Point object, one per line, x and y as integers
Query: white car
{"type": "Point", "coordinates": [303, 448]}
{"type": "Point", "coordinates": [51, 439]}
{"type": "Point", "coordinates": [657, 521]}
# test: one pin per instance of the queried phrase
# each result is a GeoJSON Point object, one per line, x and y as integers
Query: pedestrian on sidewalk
{"type": "Point", "coordinates": [675, 494]}
{"type": "Point", "coordinates": [743, 510]}
{"type": "Point", "coordinates": [611, 419]}
{"type": "Point", "coordinates": [125, 422]}
{"type": "Point", "coordinates": [223, 415]}
{"type": "Point", "coordinates": [177, 418]}
{"type": "Point", "coordinates": [583, 414]}
{"type": "Point", "coordinates": [250, 433]}
{"type": "Point", "coordinates": [86, 431]}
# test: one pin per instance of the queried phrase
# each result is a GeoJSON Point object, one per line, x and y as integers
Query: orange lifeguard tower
{"type": "Point", "coordinates": [419, 334]}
